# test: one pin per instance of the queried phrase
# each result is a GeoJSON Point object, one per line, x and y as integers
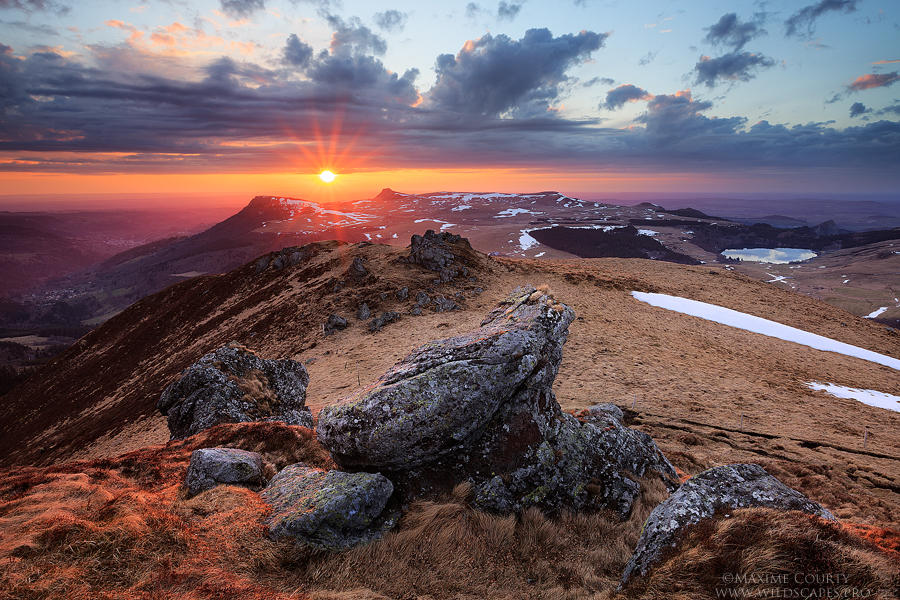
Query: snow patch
{"type": "Point", "coordinates": [647, 232]}
{"type": "Point", "coordinates": [511, 212]}
{"type": "Point", "coordinates": [733, 318]}
{"type": "Point", "coordinates": [870, 397]}
{"type": "Point", "coordinates": [875, 313]}
{"type": "Point", "coordinates": [526, 241]}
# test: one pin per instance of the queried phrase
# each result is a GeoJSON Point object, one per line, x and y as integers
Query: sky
{"type": "Point", "coordinates": [589, 97]}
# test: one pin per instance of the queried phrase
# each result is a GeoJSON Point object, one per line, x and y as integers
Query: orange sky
{"type": "Point", "coordinates": [238, 188]}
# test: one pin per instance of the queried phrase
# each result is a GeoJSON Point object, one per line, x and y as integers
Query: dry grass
{"type": "Point", "coordinates": [122, 528]}
{"type": "Point", "coordinates": [448, 550]}
{"type": "Point", "coordinates": [771, 544]}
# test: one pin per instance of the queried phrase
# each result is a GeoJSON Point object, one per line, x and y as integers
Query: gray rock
{"type": "Point", "coordinates": [363, 313]}
{"type": "Point", "coordinates": [422, 298]}
{"type": "Point", "coordinates": [358, 268]}
{"type": "Point", "coordinates": [442, 304]}
{"type": "Point", "coordinates": [234, 385]}
{"type": "Point", "coordinates": [334, 323]}
{"type": "Point", "coordinates": [402, 293]}
{"type": "Point", "coordinates": [286, 257]}
{"type": "Point", "coordinates": [210, 467]}
{"type": "Point", "coordinates": [716, 490]}
{"type": "Point", "coordinates": [440, 252]}
{"type": "Point", "coordinates": [416, 310]}
{"type": "Point", "coordinates": [480, 407]}
{"type": "Point", "coordinates": [329, 510]}
{"type": "Point", "coordinates": [602, 413]}
{"type": "Point", "coordinates": [383, 319]}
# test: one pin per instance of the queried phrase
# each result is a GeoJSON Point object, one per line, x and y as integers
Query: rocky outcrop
{"type": "Point", "coordinates": [210, 467]}
{"type": "Point", "coordinates": [234, 385]}
{"type": "Point", "coordinates": [329, 510]}
{"type": "Point", "coordinates": [716, 490]}
{"type": "Point", "coordinates": [435, 252]}
{"type": "Point", "coordinates": [480, 407]}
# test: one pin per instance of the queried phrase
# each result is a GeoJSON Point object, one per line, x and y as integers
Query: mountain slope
{"type": "Point", "coordinates": [689, 380]}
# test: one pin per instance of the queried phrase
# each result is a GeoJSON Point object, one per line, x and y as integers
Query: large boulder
{"type": "Point", "coordinates": [210, 467]}
{"type": "Point", "coordinates": [480, 407]}
{"type": "Point", "coordinates": [330, 510]}
{"type": "Point", "coordinates": [440, 252]}
{"type": "Point", "coordinates": [712, 492]}
{"type": "Point", "coordinates": [234, 385]}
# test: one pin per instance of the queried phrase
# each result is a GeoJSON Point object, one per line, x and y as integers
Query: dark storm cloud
{"type": "Point", "coordinates": [803, 22]}
{"type": "Point", "coordinates": [497, 74]}
{"type": "Point", "coordinates": [617, 97]}
{"type": "Point", "coordinates": [507, 11]}
{"type": "Point", "coordinates": [240, 9]}
{"type": "Point", "coordinates": [391, 20]}
{"type": "Point", "coordinates": [893, 109]}
{"type": "Point", "coordinates": [729, 30]}
{"type": "Point", "coordinates": [858, 108]}
{"type": "Point", "coordinates": [296, 52]}
{"type": "Point", "coordinates": [734, 66]}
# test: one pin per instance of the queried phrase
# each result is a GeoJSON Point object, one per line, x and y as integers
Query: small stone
{"type": "Point", "coordinates": [422, 298]}
{"type": "Point", "coordinates": [383, 319]}
{"type": "Point", "coordinates": [334, 323]}
{"type": "Point", "coordinates": [402, 293]}
{"type": "Point", "coordinates": [210, 467]}
{"type": "Point", "coordinates": [358, 268]}
{"type": "Point", "coordinates": [363, 313]}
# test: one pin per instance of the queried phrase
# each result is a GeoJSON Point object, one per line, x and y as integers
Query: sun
{"type": "Point", "coordinates": [327, 176]}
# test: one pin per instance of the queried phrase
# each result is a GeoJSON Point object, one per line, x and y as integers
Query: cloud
{"type": "Point", "coordinates": [35, 5]}
{"type": "Point", "coordinates": [296, 52]}
{"type": "Point", "coordinates": [472, 10]}
{"type": "Point", "coordinates": [888, 110]}
{"type": "Point", "coordinates": [595, 80]}
{"type": "Point", "coordinates": [734, 66]}
{"type": "Point", "coordinates": [352, 37]}
{"type": "Point", "coordinates": [497, 74]}
{"type": "Point", "coordinates": [648, 58]}
{"type": "Point", "coordinates": [858, 108]}
{"type": "Point", "coordinates": [886, 62]}
{"type": "Point", "coordinates": [803, 22]}
{"type": "Point", "coordinates": [730, 31]}
{"type": "Point", "coordinates": [240, 9]}
{"type": "Point", "coordinates": [73, 114]}
{"type": "Point", "coordinates": [874, 80]}
{"type": "Point", "coordinates": [617, 97]}
{"type": "Point", "coordinates": [391, 20]}
{"type": "Point", "coordinates": [507, 11]}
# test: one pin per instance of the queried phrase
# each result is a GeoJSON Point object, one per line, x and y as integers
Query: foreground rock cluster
{"type": "Point", "coordinates": [476, 408]}
{"type": "Point", "coordinates": [480, 408]}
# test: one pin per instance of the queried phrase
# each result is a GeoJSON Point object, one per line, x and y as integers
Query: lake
{"type": "Point", "coordinates": [770, 255]}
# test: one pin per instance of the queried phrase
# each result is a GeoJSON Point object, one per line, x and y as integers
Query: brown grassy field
{"type": "Point", "coordinates": [683, 380]}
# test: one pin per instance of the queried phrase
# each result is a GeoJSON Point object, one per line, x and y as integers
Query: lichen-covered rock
{"type": "Point", "coordinates": [329, 510]}
{"type": "Point", "coordinates": [234, 385]}
{"type": "Point", "coordinates": [435, 252]}
{"type": "Point", "coordinates": [719, 489]}
{"type": "Point", "coordinates": [480, 407]}
{"type": "Point", "coordinates": [210, 467]}
{"type": "Point", "coordinates": [602, 414]}
{"type": "Point", "coordinates": [383, 319]}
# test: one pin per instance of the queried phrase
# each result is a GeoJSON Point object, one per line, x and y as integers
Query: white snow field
{"type": "Point", "coordinates": [875, 313]}
{"type": "Point", "coordinates": [870, 397]}
{"type": "Point", "coordinates": [733, 318]}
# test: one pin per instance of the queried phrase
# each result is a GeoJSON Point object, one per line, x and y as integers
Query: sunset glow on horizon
{"type": "Point", "coordinates": [254, 96]}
